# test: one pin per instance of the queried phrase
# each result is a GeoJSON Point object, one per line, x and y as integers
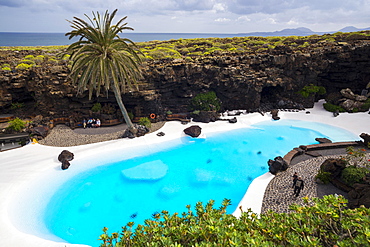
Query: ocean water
{"type": "Point", "coordinates": [50, 39]}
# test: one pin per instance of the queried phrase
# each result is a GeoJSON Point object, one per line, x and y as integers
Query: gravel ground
{"type": "Point", "coordinates": [63, 136]}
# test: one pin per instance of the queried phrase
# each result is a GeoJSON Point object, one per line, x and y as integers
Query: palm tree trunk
{"type": "Point", "coordinates": [125, 115]}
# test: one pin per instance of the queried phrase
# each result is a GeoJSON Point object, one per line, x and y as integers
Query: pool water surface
{"type": "Point", "coordinates": [222, 165]}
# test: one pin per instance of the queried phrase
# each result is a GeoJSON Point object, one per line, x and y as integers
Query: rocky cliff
{"type": "Point", "coordinates": [252, 81]}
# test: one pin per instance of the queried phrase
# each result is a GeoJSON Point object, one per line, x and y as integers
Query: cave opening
{"type": "Point", "coordinates": [271, 95]}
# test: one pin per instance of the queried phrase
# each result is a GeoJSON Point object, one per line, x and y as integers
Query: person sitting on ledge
{"type": "Point", "coordinates": [98, 123]}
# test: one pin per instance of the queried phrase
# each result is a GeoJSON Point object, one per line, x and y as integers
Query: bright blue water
{"type": "Point", "coordinates": [220, 166]}
{"type": "Point", "coordinates": [47, 39]}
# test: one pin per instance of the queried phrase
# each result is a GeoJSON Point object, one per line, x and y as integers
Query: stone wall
{"type": "Point", "coordinates": [241, 81]}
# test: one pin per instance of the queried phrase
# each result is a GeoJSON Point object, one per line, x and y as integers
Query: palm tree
{"type": "Point", "coordinates": [101, 59]}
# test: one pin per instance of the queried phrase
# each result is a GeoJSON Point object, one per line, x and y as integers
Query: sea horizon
{"type": "Point", "coordinates": [57, 39]}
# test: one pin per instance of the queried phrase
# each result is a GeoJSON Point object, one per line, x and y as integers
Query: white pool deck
{"type": "Point", "coordinates": [29, 174]}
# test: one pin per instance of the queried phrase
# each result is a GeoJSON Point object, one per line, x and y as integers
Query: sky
{"type": "Point", "coordinates": [189, 16]}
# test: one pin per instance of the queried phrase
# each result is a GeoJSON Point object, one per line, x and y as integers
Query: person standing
{"type": "Point", "coordinates": [298, 186]}
{"type": "Point", "coordinates": [295, 177]}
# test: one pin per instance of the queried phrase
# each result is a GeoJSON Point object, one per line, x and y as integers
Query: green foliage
{"type": "Point", "coordinates": [17, 105]}
{"type": "Point", "coordinates": [356, 157]}
{"type": "Point", "coordinates": [103, 60]}
{"type": "Point", "coordinates": [212, 50]}
{"type": "Point", "coordinates": [320, 222]}
{"type": "Point", "coordinates": [96, 107]}
{"type": "Point", "coordinates": [169, 112]}
{"type": "Point", "coordinates": [29, 57]}
{"type": "Point", "coordinates": [6, 68]}
{"type": "Point", "coordinates": [196, 112]}
{"type": "Point", "coordinates": [130, 115]}
{"type": "Point", "coordinates": [162, 53]}
{"type": "Point", "coordinates": [27, 61]}
{"type": "Point", "coordinates": [333, 108]}
{"type": "Point", "coordinates": [24, 66]}
{"type": "Point", "coordinates": [308, 90]}
{"type": "Point", "coordinates": [145, 122]}
{"type": "Point", "coordinates": [39, 58]}
{"type": "Point", "coordinates": [66, 57]}
{"type": "Point", "coordinates": [206, 102]}
{"type": "Point", "coordinates": [365, 106]}
{"type": "Point", "coordinates": [352, 174]}
{"type": "Point", "coordinates": [16, 125]}
{"type": "Point", "coordinates": [323, 176]}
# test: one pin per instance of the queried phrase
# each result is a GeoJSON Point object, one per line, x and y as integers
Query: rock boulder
{"type": "Point", "coordinates": [277, 165]}
{"type": "Point", "coordinates": [193, 131]}
{"type": "Point", "coordinates": [65, 156]}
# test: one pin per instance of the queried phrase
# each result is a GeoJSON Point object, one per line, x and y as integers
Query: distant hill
{"type": "Point", "coordinates": [352, 29]}
{"type": "Point", "coordinates": [300, 31]}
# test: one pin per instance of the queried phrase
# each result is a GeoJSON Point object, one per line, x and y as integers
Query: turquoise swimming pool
{"type": "Point", "coordinates": [220, 166]}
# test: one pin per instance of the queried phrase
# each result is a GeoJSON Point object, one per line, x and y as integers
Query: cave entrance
{"type": "Point", "coordinates": [271, 95]}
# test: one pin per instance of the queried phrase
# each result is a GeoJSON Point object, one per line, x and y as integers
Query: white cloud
{"type": "Point", "coordinates": [222, 20]}
{"type": "Point", "coordinates": [219, 7]}
{"type": "Point", "coordinates": [243, 18]}
{"type": "Point", "coordinates": [187, 15]}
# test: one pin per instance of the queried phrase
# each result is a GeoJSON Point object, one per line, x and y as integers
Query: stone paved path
{"type": "Point", "coordinates": [279, 193]}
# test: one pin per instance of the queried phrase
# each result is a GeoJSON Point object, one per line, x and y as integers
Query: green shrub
{"type": "Point", "coordinates": [16, 125]}
{"type": "Point", "coordinates": [212, 50]}
{"type": "Point", "coordinates": [352, 174]}
{"type": "Point", "coordinates": [323, 176]}
{"type": "Point", "coordinates": [333, 108]}
{"type": "Point", "coordinates": [318, 222]}
{"type": "Point", "coordinates": [66, 57]}
{"type": "Point", "coordinates": [130, 115]}
{"type": "Point", "coordinates": [196, 112]}
{"type": "Point", "coordinates": [23, 66]}
{"type": "Point", "coordinates": [39, 59]}
{"type": "Point", "coordinates": [365, 106]}
{"type": "Point", "coordinates": [96, 107]}
{"type": "Point", "coordinates": [356, 157]}
{"type": "Point", "coordinates": [163, 52]}
{"type": "Point", "coordinates": [312, 89]}
{"type": "Point", "coordinates": [29, 57]}
{"type": "Point", "coordinates": [27, 61]}
{"type": "Point", "coordinates": [206, 102]}
{"type": "Point", "coordinates": [145, 122]}
{"type": "Point", "coordinates": [6, 68]}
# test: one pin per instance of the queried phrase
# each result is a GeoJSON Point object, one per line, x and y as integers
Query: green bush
{"type": "Point", "coordinates": [16, 125]}
{"type": "Point", "coordinates": [23, 66]}
{"type": "Point", "coordinates": [352, 174]}
{"type": "Point", "coordinates": [365, 106]}
{"type": "Point", "coordinates": [323, 176]}
{"type": "Point", "coordinates": [96, 107]}
{"type": "Point", "coordinates": [319, 222]}
{"type": "Point", "coordinates": [206, 102]}
{"type": "Point", "coordinates": [29, 57]}
{"type": "Point", "coordinates": [39, 59]}
{"type": "Point", "coordinates": [312, 89]}
{"type": "Point", "coordinates": [163, 52]}
{"type": "Point", "coordinates": [145, 122]}
{"type": "Point", "coordinates": [27, 61]}
{"type": "Point", "coordinates": [130, 115]}
{"type": "Point", "coordinates": [333, 108]}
